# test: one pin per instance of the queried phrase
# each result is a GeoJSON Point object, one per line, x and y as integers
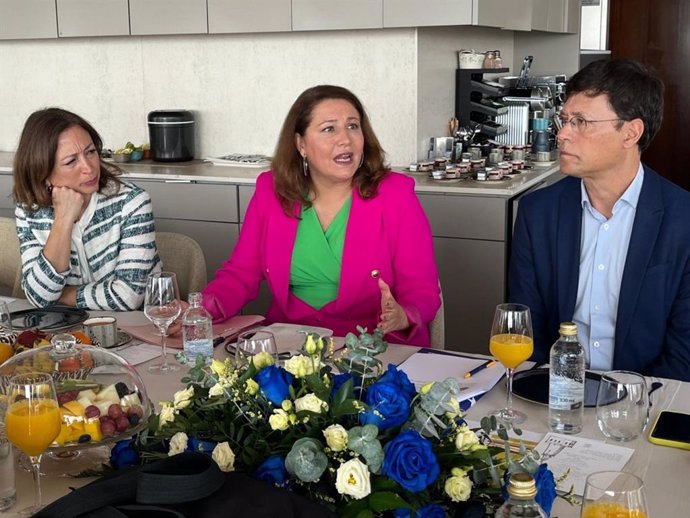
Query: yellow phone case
{"type": "Point", "coordinates": [666, 442]}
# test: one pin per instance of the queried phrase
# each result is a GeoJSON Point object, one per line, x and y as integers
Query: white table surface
{"type": "Point", "coordinates": [664, 470]}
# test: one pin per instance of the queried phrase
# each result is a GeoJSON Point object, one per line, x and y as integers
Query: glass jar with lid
{"type": "Point", "coordinates": [498, 60]}
{"type": "Point", "coordinates": [489, 59]}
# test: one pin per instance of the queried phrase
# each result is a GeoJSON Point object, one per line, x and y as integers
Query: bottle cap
{"type": "Point", "coordinates": [568, 329]}
{"type": "Point", "coordinates": [194, 298]}
{"type": "Point", "coordinates": [521, 486]}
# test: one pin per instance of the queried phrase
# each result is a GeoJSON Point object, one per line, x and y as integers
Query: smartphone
{"type": "Point", "coordinates": [671, 429]}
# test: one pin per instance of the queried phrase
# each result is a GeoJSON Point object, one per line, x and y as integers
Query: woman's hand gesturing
{"type": "Point", "coordinates": [393, 316]}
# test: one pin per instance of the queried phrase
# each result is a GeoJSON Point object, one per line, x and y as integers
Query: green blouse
{"type": "Point", "coordinates": [317, 257]}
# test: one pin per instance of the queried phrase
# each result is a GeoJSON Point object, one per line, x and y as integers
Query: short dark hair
{"type": "Point", "coordinates": [35, 157]}
{"type": "Point", "coordinates": [291, 185]}
{"type": "Point", "coordinates": [633, 90]}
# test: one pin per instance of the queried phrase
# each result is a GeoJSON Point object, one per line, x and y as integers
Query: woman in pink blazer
{"type": "Point", "coordinates": [329, 160]}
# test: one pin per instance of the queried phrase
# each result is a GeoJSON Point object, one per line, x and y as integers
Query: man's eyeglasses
{"type": "Point", "coordinates": [580, 124]}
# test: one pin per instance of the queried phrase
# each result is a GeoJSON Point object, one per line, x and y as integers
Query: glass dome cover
{"type": "Point", "coordinates": [102, 397]}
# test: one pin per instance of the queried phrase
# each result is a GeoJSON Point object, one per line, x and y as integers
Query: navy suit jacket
{"type": "Point", "coordinates": [653, 319]}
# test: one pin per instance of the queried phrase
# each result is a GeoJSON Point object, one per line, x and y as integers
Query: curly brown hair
{"type": "Point", "coordinates": [35, 157]}
{"type": "Point", "coordinates": [291, 185]}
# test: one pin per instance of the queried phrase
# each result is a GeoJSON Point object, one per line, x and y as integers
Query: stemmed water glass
{"type": "Point", "coordinates": [162, 306]}
{"type": "Point", "coordinates": [613, 493]}
{"type": "Point", "coordinates": [32, 422]}
{"type": "Point", "coordinates": [511, 343]}
{"type": "Point", "coordinates": [251, 343]}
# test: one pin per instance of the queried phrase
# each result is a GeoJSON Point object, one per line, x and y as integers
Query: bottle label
{"type": "Point", "coordinates": [565, 393]}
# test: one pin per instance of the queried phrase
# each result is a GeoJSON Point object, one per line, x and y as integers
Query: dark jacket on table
{"type": "Point", "coordinates": [653, 319]}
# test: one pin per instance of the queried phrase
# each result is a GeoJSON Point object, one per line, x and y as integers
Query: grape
{"type": "Point", "coordinates": [92, 411]}
{"type": "Point", "coordinates": [108, 427]}
{"type": "Point", "coordinates": [135, 410]}
{"type": "Point", "coordinates": [63, 398]}
{"type": "Point", "coordinates": [115, 411]}
{"type": "Point", "coordinates": [121, 423]}
{"type": "Point", "coordinates": [104, 418]}
{"type": "Point", "coordinates": [133, 419]}
{"type": "Point", "coordinates": [84, 438]}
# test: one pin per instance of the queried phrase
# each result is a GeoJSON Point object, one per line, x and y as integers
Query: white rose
{"type": "Point", "coordinates": [458, 487]}
{"type": "Point", "coordinates": [279, 420]}
{"type": "Point", "coordinates": [465, 438]}
{"type": "Point", "coordinates": [352, 478]}
{"type": "Point", "coordinates": [183, 398]}
{"type": "Point", "coordinates": [167, 415]}
{"type": "Point", "coordinates": [219, 368]}
{"type": "Point", "coordinates": [312, 403]}
{"type": "Point", "coordinates": [224, 457]}
{"type": "Point", "coordinates": [216, 390]}
{"type": "Point", "coordinates": [251, 387]}
{"type": "Point", "coordinates": [301, 366]}
{"type": "Point", "coordinates": [456, 412]}
{"type": "Point", "coordinates": [336, 437]}
{"type": "Point", "coordinates": [178, 444]}
{"type": "Point", "coordinates": [263, 359]}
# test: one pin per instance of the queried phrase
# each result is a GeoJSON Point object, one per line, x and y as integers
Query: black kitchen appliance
{"type": "Point", "coordinates": [171, 133]}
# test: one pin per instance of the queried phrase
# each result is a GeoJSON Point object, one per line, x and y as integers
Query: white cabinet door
{"type": "Point", "coordinates": [92, 18]}
{"type": "Point", "coordinates": [249, 16]}
{"type": "Point", "coordinates": [504, 14]}
{"type": "Point", "coordinates": [168, 17]}
{"type": "Point", "coordinates": [20, 19]}
{"type": "Point", "coordinates": [318, 15]}
{"type": "Point", "coordinates": [556, 15]}
{"type": "Point", "coordinates": [413, 13]}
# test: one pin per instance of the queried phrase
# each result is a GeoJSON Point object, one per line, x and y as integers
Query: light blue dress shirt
{"type": "Point", "coordinates": [604, 247]}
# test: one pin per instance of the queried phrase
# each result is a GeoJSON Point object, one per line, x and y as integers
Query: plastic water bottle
{"type": "Point", "coordinates": [567, 382]}
{"type": "Point", "coordinates": [197, 330]}
{"type": "Point", "coordinates": [520, 503]}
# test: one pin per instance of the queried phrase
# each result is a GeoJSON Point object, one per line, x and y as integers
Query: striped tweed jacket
{"type": "Point", "coordinates": [119, 243]}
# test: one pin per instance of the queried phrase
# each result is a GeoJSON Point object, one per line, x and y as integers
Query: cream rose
{"type": "Point", "coordinates": [279, 420]}
{"type": "Point", "coordinates": [459, 486]}
{"type": "Point", "coordinates": [352, 478]}
{"type": "Point", "coordinates": [224, 457]}
{"type": "Point", "coordinates": [301, 366]}
{"type": "Point", "coordinates": [465, 439]}
{"type": "Point", "coordinates": [167, 415]}
{"type": "Point", "coordinates": [183, 398]}
{"type": "Point", "coordinates": [262, 359]}
{"type": "Point", "coordinates": [336, 437]}
{"type": "Point", "coordinates": [251, 387]}
{"type": "Point", "coordinates": [219, 368]}
{"type": "Point", "coordinates": [178, 443]}
{"type": "Point", "coordinates": [312, 403]}
{"type": "Point", "coordinates": [216, 390]}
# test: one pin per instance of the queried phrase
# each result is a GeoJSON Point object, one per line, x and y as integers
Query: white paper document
{"type": "Point", "coordinates": [423, 367]}
{"type": "Point", "coordinates": [139, 353]}
{"type": "Point", "coordinates": [582, 456]}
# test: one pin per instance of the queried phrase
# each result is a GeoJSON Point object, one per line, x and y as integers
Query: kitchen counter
{"type": "Point", "coordinates": [202, 171]}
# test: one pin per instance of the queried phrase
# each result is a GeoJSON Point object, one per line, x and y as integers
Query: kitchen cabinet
{"type": "Point", "coordinates": [318, 15]}
{"type": "Point", "coordinates": [227, 16]}
{"type": "Point", "coordinates": [168, 17]}
{"type": "Point", "coordinates": [504, 14]}
{"type": "Point", "coordinates": [206, 212]}
{"type": "Point", "coordinates": [556, 15]}
{"type": "Point", "coordinates": [27, 19]}
{"type": "Point", "coordinates": [413, 13]}
{"type": "Point", "coordinates": [6, 201]}
{"type": "Point", "coordinates": [89, 18]}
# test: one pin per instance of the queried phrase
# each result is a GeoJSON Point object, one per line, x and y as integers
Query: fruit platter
{"type": "Point", "coordinates": [102, 397]}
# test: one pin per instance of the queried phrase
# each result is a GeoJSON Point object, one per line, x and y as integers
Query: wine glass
{"type": "Point", "coordinates": [622, 405]}
{"type": "Point", "coordinates": [613, 493]}
{"type": "Point", "coordinates": [162, 306]}
{"type": "Point", "coordinates": [32, 421]}
{"type": "Point", "coordinates": [511, 343]}
{"type": "Point", "coordinates": [251, 343]}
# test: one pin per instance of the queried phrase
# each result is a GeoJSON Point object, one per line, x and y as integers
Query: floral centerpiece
{"type": "Point", "coordinates": [363, 441]}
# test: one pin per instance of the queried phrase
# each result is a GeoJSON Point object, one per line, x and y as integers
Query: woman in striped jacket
{"type": "Point", "coordinates": [86, 238]}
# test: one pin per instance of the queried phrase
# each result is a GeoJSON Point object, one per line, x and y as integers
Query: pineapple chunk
{"type": "Point", "coordinates": [93, 428]}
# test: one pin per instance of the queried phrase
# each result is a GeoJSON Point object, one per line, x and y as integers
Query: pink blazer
{"type": "Point", "coordinates": [389, 233]}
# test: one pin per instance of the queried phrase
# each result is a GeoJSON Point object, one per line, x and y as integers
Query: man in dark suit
{"type": "Point", "coordinates": [608, 247]}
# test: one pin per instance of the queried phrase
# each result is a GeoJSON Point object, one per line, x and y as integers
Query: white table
{"type": "Point", "coordinates": [664, 470]}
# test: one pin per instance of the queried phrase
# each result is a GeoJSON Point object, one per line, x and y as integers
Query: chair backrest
{"type": "Point", "coordinates": [182, 255]}
{"type": "Point", "coordinates": [437, 327]}
{"type": "Point", "coordinates": [10, 260]}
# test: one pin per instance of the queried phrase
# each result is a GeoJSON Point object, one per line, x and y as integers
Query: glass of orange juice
{"type": "Point", "coordinates": [613, 494]}
{"type": "Point", "coordinates": [511, 343]}
{"type": "Point", "coordinates": [32, 421]}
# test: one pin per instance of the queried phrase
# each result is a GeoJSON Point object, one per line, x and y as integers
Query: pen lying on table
{"type": "Point", "coordinates": [485, 365]}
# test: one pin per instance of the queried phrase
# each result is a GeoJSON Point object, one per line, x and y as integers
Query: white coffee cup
{"type": "Point", "coordinates": [102, 331]}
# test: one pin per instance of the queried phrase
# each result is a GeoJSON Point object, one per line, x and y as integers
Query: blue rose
{"type": "Point", "coordinates": [546, 488]}
{"type": "Point", "coordinates": [200, 446]}
{"type": "Point", "coordinates": [389, 406]}
{"type": "Point", "coordinates": [428, 511]}
{"type": "Point", "coordinates": [274, 383]}
{"type": "Point", "coordinates": [409, 460]}
{"type": "Point", "coordinates": [123, 455]}
{"type": "Point", "coordinates": [272, 470]}
{"type": "Point", "coordinates": [399, 378]}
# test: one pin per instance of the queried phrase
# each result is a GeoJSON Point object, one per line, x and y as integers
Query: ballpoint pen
{"type": "Point", "coordinates": [485, 365]}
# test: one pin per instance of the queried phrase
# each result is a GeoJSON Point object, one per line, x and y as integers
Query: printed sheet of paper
{"type": "Point", "coordinates": [582, 456]}
{"type": "Point", "coordinates": [424, 367]}
{"type": "Point", "coordinates": [140, 352]}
